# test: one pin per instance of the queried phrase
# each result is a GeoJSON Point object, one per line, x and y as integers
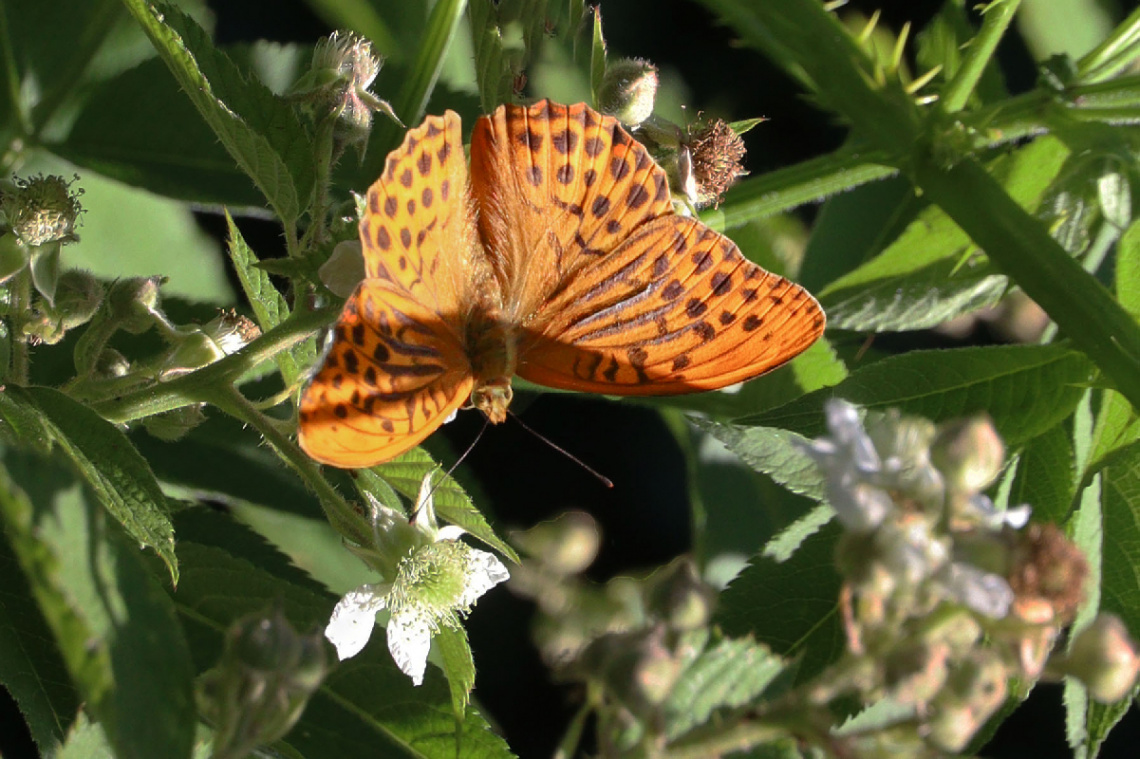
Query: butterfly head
{"type": "Point", "coordinates": [492, 397]}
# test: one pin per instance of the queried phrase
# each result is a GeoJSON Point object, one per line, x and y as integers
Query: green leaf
{"type": "Point", "coordinates": [120, 478]}
{"type": "Point", "coordinates": [261, 132]}
{"type": "Point", "coordinates": [487, 38]}
{"type": "Point", "coordinates": [727, 673]}
{"type": "Point", "coordinates": [85, 740]}
{"type": "Point", "coordinates": [1120, 486]}
{"type": "Point", "coordinates": [1046, 476]}
{"type": "Point", "coordinates": [927, 275]}
{"type": "Point", "coordinates": [268, 304]}
{"type": "Point", "coordinates": [113, 624]}
{"type": "Point", "coordinates": [1025, 389]}
{"type": "Point", "coordinates": [138, 128]}
{"type": "Point", "coordinates": [458, 667]}
{"type": "Point", "coordinates": [597, 56]}
{"type": "Point", "coordinates": [407, 472]}
{"type": "Point", "coordinates": [444, 21]}
{"type": "Point", "coordinates": [30, 664]}
{"type": "Point", "coordinates": [790, 606]}
{"type": "Point", "coordinates": [772, 451]}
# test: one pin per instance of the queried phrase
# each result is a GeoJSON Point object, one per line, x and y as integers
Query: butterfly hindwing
{"type": "Point", "coordinates": [392, 376]}
{"type": "Point", "coordinates": [676, 308]}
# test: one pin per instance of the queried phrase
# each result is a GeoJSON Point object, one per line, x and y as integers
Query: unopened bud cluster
{"type": "Point", "coordinates": [628, 639]}
{"type": "Point", "coordinates": [945, 598]}
{"type": "Point", "coordinates": [337, 86]}
{"type": "Point", "coordinates": [261, 684]}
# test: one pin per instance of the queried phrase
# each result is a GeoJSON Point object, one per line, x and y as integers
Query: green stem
{"type": "Point", "coordinates": [197, 386]}
{"type": "Point", "coordinates": [978, 55]}
{"type": "Point", "coordinates": [21, 304]}
{"type": "Point", "coordinates": [338, 511]}
{"type": "Point", "coordinates": [1113, 55]}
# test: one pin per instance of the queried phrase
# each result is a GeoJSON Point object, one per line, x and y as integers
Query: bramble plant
{"type": "Point", "coordinates": [930, 533]}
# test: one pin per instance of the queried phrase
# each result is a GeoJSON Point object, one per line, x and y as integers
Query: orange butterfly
{"type": "Point", "coordinates": [560, 259]}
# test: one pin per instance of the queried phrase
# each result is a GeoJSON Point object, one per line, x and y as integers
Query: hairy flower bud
{"type": "Point", "coordinates": [565, 545]}
{"type": "Point", "coordinates": [42, 210]}
{"type": "Point", "coordinates": [628, 90]}
{"type": "Point", "coordinates": [1105, 658]}
{"type": "Point", "coordinates": [133, 303]}
{"type": "Point", "coordinates": [969, 453]}
{"type": "Point", "coordinates": [344, 67]}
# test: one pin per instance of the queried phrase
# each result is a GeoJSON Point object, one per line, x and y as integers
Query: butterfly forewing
{"type": "Point", "coordinates": [418, 233]}
{"type": "Point", "coordinates": [393, 374]}
{"type": "Point", "coordinates": [677, 308]}
{"type": "Point", "coordinates": [557, 189]}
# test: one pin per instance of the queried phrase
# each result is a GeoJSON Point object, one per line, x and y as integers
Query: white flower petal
{"type": "Point", "coordinates": [353, 619]}
{"type": "Point", "coordinates": [484, 571]}
{"type": "Point", "coordinates": [409, 640]}
{"type": "Point", "coordinates": [449, 532]}
{"type": "Point", "coordinates": [984, 592]}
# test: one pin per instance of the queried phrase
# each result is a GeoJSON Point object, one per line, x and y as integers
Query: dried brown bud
{"type": "Point", "coordinates": [1047, 569]}
{"type": "Point", "coordinates": [716, 155]}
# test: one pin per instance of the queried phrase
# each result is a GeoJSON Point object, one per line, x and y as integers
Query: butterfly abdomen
{"type": "Point", "coordinates": [491, 348]}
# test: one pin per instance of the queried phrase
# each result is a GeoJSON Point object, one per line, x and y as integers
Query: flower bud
{"type": "Point", "coordinates": [133, 303]}
{"type": "Point", "coordinates": [343, 69]}
{"type": "Point", "coordinates": [1047, 567]}
{"type": "Point", "coordinates": [969, 453]}
{"type": "Point", "coordinates": [111, 364]}
{"type": "Point", "coordinates": [192, 351]}
{"type": "Point", "coordinates": [261, 684]}
{"type": "Point", "coordinates": [565, 545]}
{"type": "Point", "coordinates": [973, 692]}
{"type": "Point", "coordinates": [628, 90]}
{"type": "Point", "coordinates": [636, 666]}
{"type": "Point", "coordinates": [716, 154]}
{"type": "Point", "coordinates": [1105, 658]}
{"type": "Point", "coordinates": [42, 210]}
{"type": "Point", "coordinates": [679, 598]}
{"type": "Point", "coordinates": [231, 331]}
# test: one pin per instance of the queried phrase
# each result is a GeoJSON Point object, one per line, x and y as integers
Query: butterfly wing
{"type": "Point", "coordinates": [392, 376]}
{"type": "Point", "coordinates": [613, 292]}
{"type": "Point", "coordinates": [675, 309]}
{"type": "Point", "coordinates": [418, 234]}
{"type": "Point", "coordinates": [398, 365]}
{"type": "Point", "coordinates": [558, 188]}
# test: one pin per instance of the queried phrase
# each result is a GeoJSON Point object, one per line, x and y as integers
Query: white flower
{"type": "Point", "coordinates": [435, 584]}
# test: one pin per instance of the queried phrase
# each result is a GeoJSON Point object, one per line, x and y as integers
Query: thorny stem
{"type": "Point", "coordinates": [201, 385]}
{"type": "Point", "coordinates": [21, 289]}
{"type": "Point", "coordinates": [978, 54]}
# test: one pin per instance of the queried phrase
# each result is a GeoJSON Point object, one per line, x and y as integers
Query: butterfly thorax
{"type": "Point", "coordinates": [491, 350]}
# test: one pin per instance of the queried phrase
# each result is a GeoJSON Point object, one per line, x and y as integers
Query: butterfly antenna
{"type": "Point", "coordinates": [600, 477]}
{"type": "Point", "coordinates": [455, 466]}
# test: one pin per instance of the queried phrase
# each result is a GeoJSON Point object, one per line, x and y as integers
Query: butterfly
{"type": "Point", "coordinates": [558, 258]}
